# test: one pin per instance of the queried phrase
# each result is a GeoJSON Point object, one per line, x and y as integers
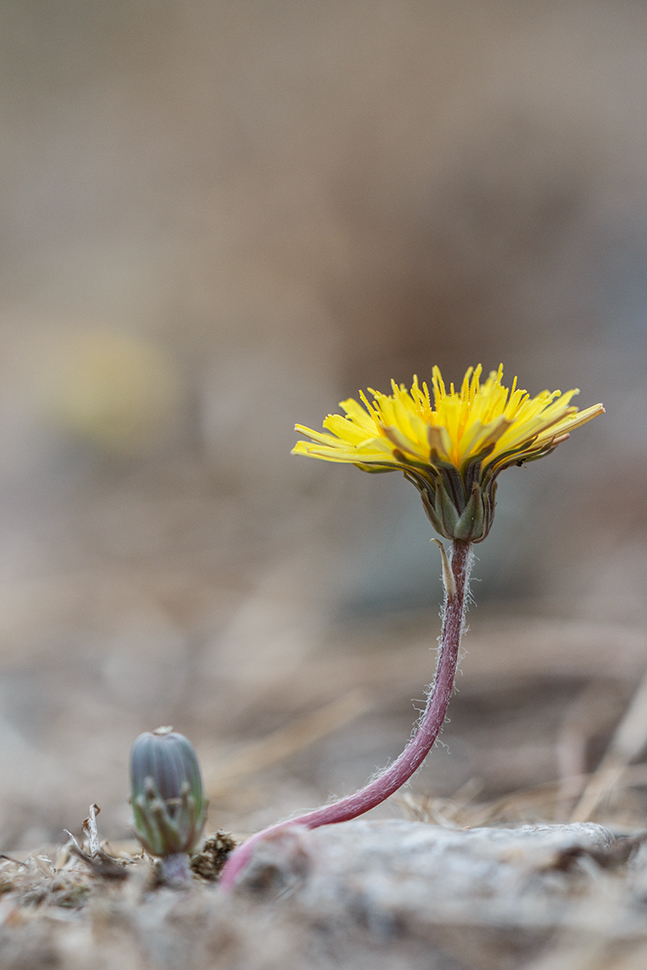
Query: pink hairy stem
{"type": "Point", "coordinates": [401, 770]}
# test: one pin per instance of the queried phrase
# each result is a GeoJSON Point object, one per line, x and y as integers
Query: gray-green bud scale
{"type": "Point", "coordinates": [167, 799]}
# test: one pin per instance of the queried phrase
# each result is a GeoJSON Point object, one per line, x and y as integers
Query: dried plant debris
{"type": "Point", "coordinates": [39, 882]}
{"type": "Point", "coordinates": [208, 862]}
{"type": "Point", "coordinates": [102, 864]}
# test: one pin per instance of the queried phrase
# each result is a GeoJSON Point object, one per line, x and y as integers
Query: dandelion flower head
{"type": "Point", "coordinates": [451, 444]}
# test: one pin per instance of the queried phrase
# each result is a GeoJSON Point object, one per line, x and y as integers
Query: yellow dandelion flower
{"type": "Point", "coordinates": [452, 447]}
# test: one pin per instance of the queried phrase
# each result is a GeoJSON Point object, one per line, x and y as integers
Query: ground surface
{"type": "Point", "coordinates": [385, 894]}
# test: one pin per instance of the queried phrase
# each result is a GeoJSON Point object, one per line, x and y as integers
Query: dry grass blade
{"type": "Point", "coordinates": [221, 778]}
{"type": "Point", "coordinates": [91, 831]}
{"type": "Point", "coordinates": [626, 744]}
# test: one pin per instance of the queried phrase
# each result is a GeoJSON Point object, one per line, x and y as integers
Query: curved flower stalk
{"type": "Point", "coordinates": [452, 450]}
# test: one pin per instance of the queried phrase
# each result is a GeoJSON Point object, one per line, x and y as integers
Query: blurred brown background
{"type": "Point", "coordinates": [219, 218]}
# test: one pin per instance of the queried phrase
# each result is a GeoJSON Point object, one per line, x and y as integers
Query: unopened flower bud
{"type": "Point", "coordinates": [168, 804]}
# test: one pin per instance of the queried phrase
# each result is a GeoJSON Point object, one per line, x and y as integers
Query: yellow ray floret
{"type": "Point", "coordinates": [484, 422]}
